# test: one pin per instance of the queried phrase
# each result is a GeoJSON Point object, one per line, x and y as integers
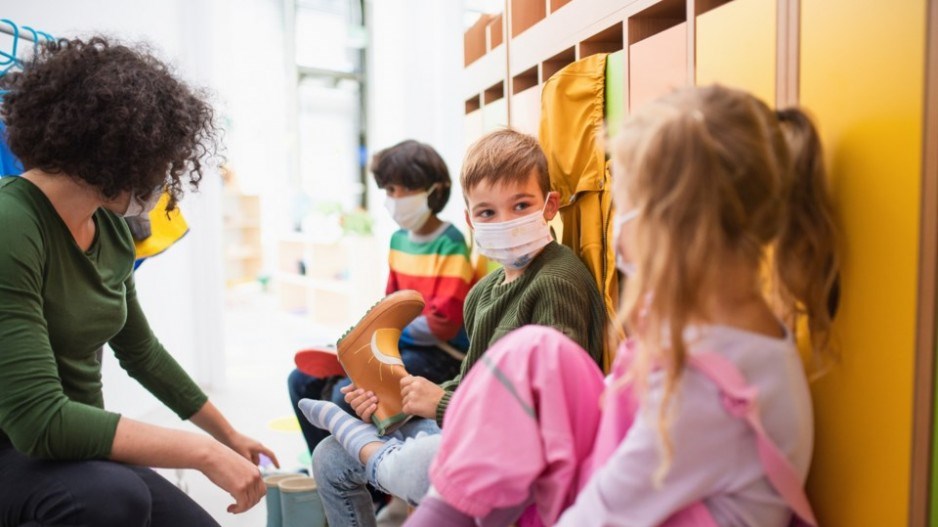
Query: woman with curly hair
{"type": "Point", "coordinates": [102, 130]}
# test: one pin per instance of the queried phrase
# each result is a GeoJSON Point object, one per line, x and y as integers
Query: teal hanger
{"type": "Point", "coordinates": [35, 38]}
{"type": "Point", "coordinates": [9, 60]}
{"type": "Point", "coordinates": [10, 57]}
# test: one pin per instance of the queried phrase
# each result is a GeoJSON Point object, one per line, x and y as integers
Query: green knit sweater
{"type": "Point", "coordinates": [556, 290]}
{"type": "Point", "coordinates": [58, 306]}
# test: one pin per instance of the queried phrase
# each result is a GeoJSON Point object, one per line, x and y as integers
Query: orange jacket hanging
{"type": "Point", "coordinates": [572, 136]}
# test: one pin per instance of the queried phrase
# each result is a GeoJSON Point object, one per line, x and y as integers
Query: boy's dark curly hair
{"type": "Point", "coordinates": [108, 114]}
{"type": "Point", "coordinates": [416, 166]}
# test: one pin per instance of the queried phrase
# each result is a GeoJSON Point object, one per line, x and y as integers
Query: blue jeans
{"type": "Point", "coordinates": [94, 493]}
{"type": "Point", "coordinates": [400, 468]}
{"type": "Point", "coordinates": [432, 363]}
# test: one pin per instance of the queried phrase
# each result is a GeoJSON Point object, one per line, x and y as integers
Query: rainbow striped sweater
{"type": "Point", "coordinates": [439, 268]}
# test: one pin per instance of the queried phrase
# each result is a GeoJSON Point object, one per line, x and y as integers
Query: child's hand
{"type": "Point", "coordinates": [364, 403]}
{"type": "Point", "coordinates": [420, 396]}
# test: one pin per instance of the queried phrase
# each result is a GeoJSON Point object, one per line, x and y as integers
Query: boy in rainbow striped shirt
{"type": "Point", "coordinates": [427, 255]}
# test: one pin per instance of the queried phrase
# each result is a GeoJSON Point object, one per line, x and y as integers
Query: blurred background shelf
{"type": "Point", "coordinates": [241, 221]}
{"type": "Point", "coordinates": [331, 282]}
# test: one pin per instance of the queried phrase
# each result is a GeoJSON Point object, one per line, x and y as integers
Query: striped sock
{"type": "Point", "coordinates": [349, 430]}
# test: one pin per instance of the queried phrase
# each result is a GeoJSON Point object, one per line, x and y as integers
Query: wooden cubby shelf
{"type": "Point", "coordinates": [474, 40]}
{"type": "Point", "coordinates": [524, 80]}
{"type": "Point", "coordinates": [557, 4]}
{"type": "Point", "coordinates": [657, 18]}
{"type": "Point", "coordinates": [494, 93]}
{"type": "Point", "coordinates": [702, 6]}
{"type": "Point", "coordinates": [557, 62]}
{"type": "Point", "coordinates": [496, 31]}
{"type": "Point", "coordinates": [526, 13]}
{"type": "Point", "coordinates": [608, 40]}
{"type": "Point", "coordinates": [473, 104]}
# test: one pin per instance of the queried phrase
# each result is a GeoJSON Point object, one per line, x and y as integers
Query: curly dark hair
{"type": "Point", "coordinates": [111, 115]}
{"type": "Point", "coordinates": [416, 166]}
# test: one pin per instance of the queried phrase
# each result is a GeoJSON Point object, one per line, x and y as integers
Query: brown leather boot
{"type": "Point", "coordinates": [371, 358]}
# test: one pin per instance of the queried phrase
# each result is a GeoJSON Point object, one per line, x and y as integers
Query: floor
{"type": "Point", "coordinates": [260, 340]}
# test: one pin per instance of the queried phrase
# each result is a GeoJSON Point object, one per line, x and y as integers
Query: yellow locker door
{"type": "Point", "coordinates": [862, 78]}
{"type": "Point", "coordinates": [736, 45]}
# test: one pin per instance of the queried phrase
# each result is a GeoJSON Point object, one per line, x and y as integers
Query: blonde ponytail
{"type": "Point", "coordinates": [806, 264]}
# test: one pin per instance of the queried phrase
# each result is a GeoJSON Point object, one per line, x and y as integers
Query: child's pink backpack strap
{"type": "Point", "coordinates": [740, 400]}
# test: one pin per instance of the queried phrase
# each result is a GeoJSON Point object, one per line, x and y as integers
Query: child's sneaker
{"type": "Point", "coordinates": [318, 362]}
{"type": "Point", "coordinates": [369, 353]}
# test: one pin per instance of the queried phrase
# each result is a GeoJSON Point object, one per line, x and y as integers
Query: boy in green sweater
{"type": "Point", "coordinates": [508, 205]}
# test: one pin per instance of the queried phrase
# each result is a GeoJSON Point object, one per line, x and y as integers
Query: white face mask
{"type": "Point", "coordinates": [410, 212]}
{"type": "Point", "coordinates": [513, 243]}
{"type": "Point", "coordinates": [625, 267]}
{"type": "Point", "coordinates": [139, 207]}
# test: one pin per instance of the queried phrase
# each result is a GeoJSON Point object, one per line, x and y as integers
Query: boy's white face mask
{"type": "Point", "coordinates": [625, 267]}
{"type": "Point", "coordinates": [139, 207]}
{"type": "Point", "coordinates": [410, 212]}
{"type": "Point", "coordinates": [513, 243]}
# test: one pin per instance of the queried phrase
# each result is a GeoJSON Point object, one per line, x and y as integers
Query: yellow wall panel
{"type": "Point", "coordinates": [736, 47]}
{"type": "Point", "coordinates": [862, 78]}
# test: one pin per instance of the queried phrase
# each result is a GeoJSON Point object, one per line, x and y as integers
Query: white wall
{"type": "Point", "coordinates": [250, 72]}
{"type": "Point", "coordinates": [415, 66]}
{"type": "Point", "coordinates": [181, 290]}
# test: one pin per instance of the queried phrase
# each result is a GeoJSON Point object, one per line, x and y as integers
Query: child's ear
{"type": "Point", "coordinates": [552, 206]}
{"type": "Point", "coordinates": [466, 214]}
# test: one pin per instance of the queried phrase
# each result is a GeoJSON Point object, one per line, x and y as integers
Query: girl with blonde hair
{"type": "Point", "coordinates": [706, 416]}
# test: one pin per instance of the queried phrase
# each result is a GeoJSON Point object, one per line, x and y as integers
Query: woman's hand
{"type": "Point", "coordinates": [234, 473]}
{"type": "Point", "coordinates": [249, 448]}
{"type": "Point", "coordinates": [146, 445]}
{"type": "Point", "coordinates": [208, 418]}
{"type": "Point", "coordinates": [364, 403]}
{"type": "Point", "coordinates": [420, 396]}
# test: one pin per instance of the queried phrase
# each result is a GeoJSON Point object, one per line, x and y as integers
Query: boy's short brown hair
{"type": "Point", "coordinates": [504, 156]}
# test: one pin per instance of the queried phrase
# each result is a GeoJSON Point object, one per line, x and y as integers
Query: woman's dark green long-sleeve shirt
{"type": "Point", "coordinates": [58, 306]}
